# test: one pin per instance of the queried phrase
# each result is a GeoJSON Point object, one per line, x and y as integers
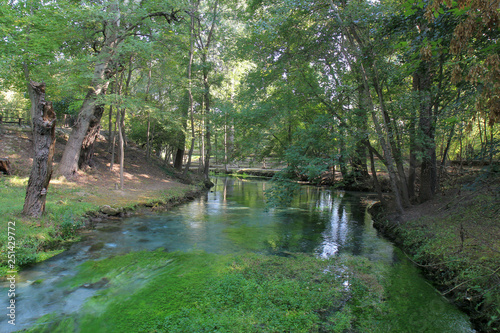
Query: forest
{"type": "Point", "coordinates": [401, 88]}
{"type": "Point", "coordinates": [395, 97]}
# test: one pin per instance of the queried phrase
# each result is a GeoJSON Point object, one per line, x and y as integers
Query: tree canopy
{"type": "Point", "coordinates": [358, 89]}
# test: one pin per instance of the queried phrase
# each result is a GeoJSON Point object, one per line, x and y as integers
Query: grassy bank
{"type": "Point", "coordinates": [69, 207]}
{"type": "Point", "coordinates": [455, 238]}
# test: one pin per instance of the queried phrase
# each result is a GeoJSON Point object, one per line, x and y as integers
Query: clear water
{"type": "Point", "coordinates": [233, 218]}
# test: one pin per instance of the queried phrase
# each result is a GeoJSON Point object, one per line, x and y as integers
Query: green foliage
{"type": "Point", "coordinates": [282, 190]}
{"type": "Point", "coordinates": [162, 131]}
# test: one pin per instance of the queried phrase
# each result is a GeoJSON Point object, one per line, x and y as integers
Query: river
{"type": "Point", "coordinates": [233, 218]}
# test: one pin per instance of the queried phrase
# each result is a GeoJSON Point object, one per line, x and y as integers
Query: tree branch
{"type": "Point", "coordinates": [170, 17]}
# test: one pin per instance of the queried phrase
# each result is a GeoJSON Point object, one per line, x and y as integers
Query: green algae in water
{"type": "Point", "coordinates": [413, 305]}
{"type": "Point", "coordinates": [196, 292]}
{"type": "Point", "coordinates": [200, 292]}
{"type": "Point", "coordinates": [251, 238]}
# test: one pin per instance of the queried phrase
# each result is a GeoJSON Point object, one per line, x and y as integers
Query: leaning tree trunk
{"type": "Point", "coordinates": [69, 161]}
{"type": "Point", "coordinates": [87, 150]}
{"type": "Point", "coordinates": [100, 81]}
{"type": "Point", "coordinates": [44, 140]}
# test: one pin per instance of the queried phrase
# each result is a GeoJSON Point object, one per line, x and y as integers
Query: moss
{"type": "Point", "coordinates": [247, 237]}
{"type": "Point", "coordinates": [181, 292]}
{"type": "Point", "coordinates": [96, 247]}
{"type": "Point", "coordinates": [200, 292]}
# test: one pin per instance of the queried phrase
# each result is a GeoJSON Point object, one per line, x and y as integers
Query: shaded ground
{"type": "Point", "coordinates": [143, 180]}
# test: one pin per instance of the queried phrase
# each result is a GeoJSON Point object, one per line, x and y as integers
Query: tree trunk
{"type": "Point", "coordinates": [5, 166]}
{"type": "Point", "coordinates": [190, 92]}
{"type": "Point", "coordinates": [206, 169]}
{"type": "Point", "coordinates": [366, 58]}
{"type": "Point", "coordinates": [202, 137]}
{"type": "Point", "coordinates": [426, 129]}
{"type": "Point", "coordinates": [412, 169]}
{"type": "Point", "coordinates": [387, 150]}
{"type": "Point", "coordinates": [148, 148]}
{"type": "Point", "coordinates": [205, 47]}
{"type": "Point", "coordinates": [87, 150]}
{"type": "Point", "coordinates": [376, 183]}
{"type": "Point", "coordinates": [44, 140]}
{"type": "Point", "coordinates": [179, 156]}
{"type": "Point", "coordinates": [69, 161]}
{"type": "Point", "coordinates": [122, 150]}
{"type": "Point", "coordinates": [181, 148]}
{"type": "Point", "coordinates": [113, 143]}
{"type": "Point", "coordinates": [445, 153]}
{"type": "Point", "coordinates": [208, 144]}
{"type": "Point", "coordinates": [226, 156]}
{"type": "Point", "coordinates": [110, 132]}
{"type": "Point", "coordinates": [396, 154]}
{"type": "Point", "coordinates": [358, 160]}
{"type": "Point", "coordinates": [100, 81]}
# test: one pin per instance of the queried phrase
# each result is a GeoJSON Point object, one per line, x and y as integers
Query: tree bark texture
{"type": "Point", "coordinates": [426, 130]}
{"type": "Point", "coordinates": [87, 150]}
{"type": "Point", "coordinates": [44, 140]}
{"type": "Point", "coordinates": [5, 166]}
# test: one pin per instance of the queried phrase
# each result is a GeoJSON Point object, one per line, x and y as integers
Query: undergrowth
{"type": "Point", "coordinates": [458, 245]}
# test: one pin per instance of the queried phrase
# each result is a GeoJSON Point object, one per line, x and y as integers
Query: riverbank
{"type": "Point", "coordinates": [79, 204]}
{"type": "Point", "coordinates": [225, 263]}
{"type": "Point", "coordinates": [455, 239]}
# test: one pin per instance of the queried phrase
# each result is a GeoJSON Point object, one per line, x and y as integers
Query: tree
{"type": "Point", "coordinates": [119, 23]}
{"type": "Point", "coordinates": [192, 20]}
{"type": "Point", "coordinates": [31, 38]}
{"type": "Point", "coordinates": [44, 140]}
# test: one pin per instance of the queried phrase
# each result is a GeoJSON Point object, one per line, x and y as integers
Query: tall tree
{"type": "Point", "coordinates": [44, 141]}
{"type": "Point", "coordinates": [192, 16]}
{"type": "Point", "coordinates": [119, 23]}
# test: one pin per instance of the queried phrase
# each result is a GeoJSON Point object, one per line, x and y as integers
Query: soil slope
{"type": "Point", "coordinates": [143, 179]}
